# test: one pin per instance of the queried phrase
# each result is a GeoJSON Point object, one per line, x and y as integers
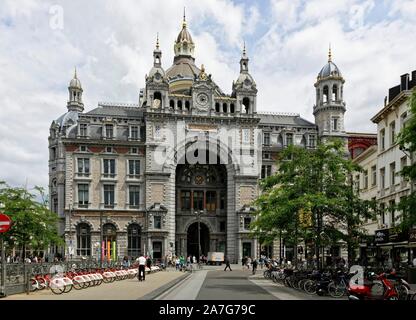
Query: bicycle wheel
{"type": "Point", "coordinates": [336, 290]}
{"type": "Point", "coordinates": [310, 287]}
{"type": "Point", "coordinates": [77, 285]}
{"type": "Point", "coordinates": [57, 289]}
{"type": "Point", "coordinates": [34, 285]}
{"type": "Point", "coordinates": [68, 288]}
{"type": "Point", "coordinates": [402, 291]}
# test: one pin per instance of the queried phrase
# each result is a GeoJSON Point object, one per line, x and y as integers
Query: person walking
{"type": "Point", "coordinates": [243, 262]}
{"type": "Point", "coordinates": [227, 264]}
{"type": "Point", "coordinates": [254, 263]}
{"type": "Point", "coordinates": [142, 265]}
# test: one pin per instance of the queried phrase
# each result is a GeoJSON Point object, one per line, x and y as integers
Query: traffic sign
{"type": "Point", "coordinates": [5, 223]}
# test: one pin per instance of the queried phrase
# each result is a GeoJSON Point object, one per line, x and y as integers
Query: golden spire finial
{"type": "Point", "coordinates": [157, 41]}
{"type": "Point", "coordinates": [184, 18]}
{"type": "Point", "coordinates": [330, 53]}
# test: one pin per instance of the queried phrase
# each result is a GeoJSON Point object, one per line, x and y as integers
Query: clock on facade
{"type": "Point", "coordinates": [202, 99]}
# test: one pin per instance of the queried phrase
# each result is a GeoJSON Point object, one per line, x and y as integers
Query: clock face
{"type": "Point", "coordinates": [247, 82]}
{"type": "Point", "coordinates": [202, 99]}
{"type": "Point", "coordinates": [158, 76]}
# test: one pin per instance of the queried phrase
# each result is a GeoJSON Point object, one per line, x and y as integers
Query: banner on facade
{"type": "Point", "coordinates": [381, 236]}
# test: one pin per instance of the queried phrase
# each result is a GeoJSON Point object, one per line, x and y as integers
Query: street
{"type": "Point", "coordinates": [213, 283]}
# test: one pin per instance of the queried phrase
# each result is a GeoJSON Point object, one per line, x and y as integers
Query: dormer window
{"type": "Point", "coordinates": [134, 151]}
{"type": "Point", "coordinates": [109, 149]}
{"type": "Point", "coordinates": [134, 132]}
{"type": "Point", "coordinates": [109, 131]}
{"type": "Point", "coordinates": [83, 149]}
{"type": "Point", "coordinates": [83, 129]}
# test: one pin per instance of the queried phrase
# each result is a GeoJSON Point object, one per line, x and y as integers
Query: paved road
{"type": "Point", "coordinates": [215, 284]}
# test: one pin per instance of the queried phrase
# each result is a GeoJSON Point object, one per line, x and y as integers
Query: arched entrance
{"type": "Point", "coordinates": [192, 240]}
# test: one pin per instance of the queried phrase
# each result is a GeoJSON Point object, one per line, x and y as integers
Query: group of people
{"type": "Point", "coordinates": [181, 262]}
{"type": "Point", "coordinates": [247, 262]}
{"type": "Point", "coordinates": [29, 259]}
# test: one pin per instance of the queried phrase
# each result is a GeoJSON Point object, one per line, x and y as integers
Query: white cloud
{"type": "Point", "coordinates": [111, 43]}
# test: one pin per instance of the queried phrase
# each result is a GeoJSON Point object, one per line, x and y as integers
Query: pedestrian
{"type": "Point", "coordinates": [177, 263]}
{"type": "Point", "coordinates": [414, 261]}
{"type": "Point", "coordinates": [254, 266]}
{"type": "Point", "coordinates": [243, 262]}
{"type": "Point", "coordinates": [149, 262]}
{"type": "Point", "coordinates": [227, 264]}
{"type": "Point", "coordinates": [142, 271]}
{"type": "Point", "coordinates": [248, 262]}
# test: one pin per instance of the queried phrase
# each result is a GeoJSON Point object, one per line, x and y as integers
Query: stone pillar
{"type": "Point", "coordinates": [121, 244]}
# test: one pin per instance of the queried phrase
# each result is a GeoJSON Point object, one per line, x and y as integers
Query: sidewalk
{"type": "Point", "coordinates": [129, 289]}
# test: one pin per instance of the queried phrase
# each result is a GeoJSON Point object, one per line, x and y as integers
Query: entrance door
{"type": "Point", "coordinates": [246, 249]}
{"type": "Point", "coordinates": [192, 243]}
{"type": "Point", "coordinates": [157, 249]}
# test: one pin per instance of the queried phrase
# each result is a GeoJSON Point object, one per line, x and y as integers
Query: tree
{"type": "Point", "coordinates": [311, 197]}
{"type": "Point", "coordinates": [407, 142]}
{"type": "Point", "coordinates": [33, 224]}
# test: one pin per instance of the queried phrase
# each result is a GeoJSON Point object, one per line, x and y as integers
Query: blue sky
{"type": "Point", "coordinates": [111, 43]}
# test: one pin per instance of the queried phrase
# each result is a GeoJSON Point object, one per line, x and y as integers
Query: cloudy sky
{"type": "Point", "coordinates": [111, 43]}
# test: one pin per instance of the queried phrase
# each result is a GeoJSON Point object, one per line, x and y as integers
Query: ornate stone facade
{"type": "Point", "coordinates": [139, 176]}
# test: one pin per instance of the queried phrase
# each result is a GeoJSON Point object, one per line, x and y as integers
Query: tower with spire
{"type": "Point", "coordinates": [157, 86]}
{"type": "Point", "coordinates": [330, 107]}
{"type": "Point", "coordinates": [244, 88]}
{"type": "Point", "coordinates": [184, 45]}
{"type": "Point", "coordinates": [75, 95]}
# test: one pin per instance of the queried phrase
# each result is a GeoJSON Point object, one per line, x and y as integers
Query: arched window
{"type": "Point", "coordinates": [172, 104]}
{"type": "Point", "coordinates": [232, 108]}
{"type": "Point", "coordinates": [133, 240]}
{"type": "Point", "coordinates": [187, 105]}
{"type": "Point", "coordinates": [109, 239]}
{"type": "Point", "coordinates": [157, 60]}
{"type": "Point", "coordinates": [217, 107]}
{"type": "Point", "coordinates": [334, 92]}
{"type": "Point", "coordinates": [180, 105]}
{"type": "Point", "coordinates": [325, 94]}
{"type": "Point", "coordinates": [83, 240]}
{"type": "Point", "coordinates": [246, 105]}
{"type": "Point", "coordinates": [224, 107]}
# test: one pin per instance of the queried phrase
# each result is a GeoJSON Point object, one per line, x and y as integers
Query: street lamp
{"type": "Point", "coordinates": [70, 232]}
{"type": "Point", "coordinates": [198, 215]}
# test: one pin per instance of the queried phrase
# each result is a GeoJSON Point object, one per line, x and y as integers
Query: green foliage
{"type": "Point", "coordinates": [34, 225]}
{"type": "Point", "coordinates": [407, 141]}
{"type": "Point", "coordinates": [311, 197]}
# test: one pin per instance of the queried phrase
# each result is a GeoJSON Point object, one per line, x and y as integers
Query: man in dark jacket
{"type": "Point", "coordinates": [254, 266]}
{"type": "Point", "coordinates": [227, 264]}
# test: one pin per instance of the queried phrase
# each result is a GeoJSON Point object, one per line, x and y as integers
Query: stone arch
{"type": "Point", "coordinates": [202, 220]}
{"type": "Point", "coordinates": [131, 222]}
{"type": "Point", "coordinates": [81, 221]}
{"type": "Point", "coordinates": [109, 220]}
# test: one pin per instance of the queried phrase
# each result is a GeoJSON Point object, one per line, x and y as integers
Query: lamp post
{"type": "Point", "coordinates": [198, 215]}
{"type": "Point", "coordinates": [70, 232]}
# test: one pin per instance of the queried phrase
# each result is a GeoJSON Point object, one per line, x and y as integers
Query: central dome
{"type": "Point", "coordinates": [330, 69]}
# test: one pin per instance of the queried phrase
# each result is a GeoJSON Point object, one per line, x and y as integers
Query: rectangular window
{"type": "Point", "coordinates": [157, 222]}
{"type": "Point", "coordinates": [392, 211]}
{"type": "Point", "coordinates": [246, 135]}
{"type": "Point", "coordinates": [134, 132]}
{"type": "Point", "coordinates": [83, 166]}
{"type": "Point", "coordinates": [109, 195]}
{"type": "Point", "coordinates": [266, 156]}
{"type": "Point", "coordinates": [373, 176]}
{"type": "Point", "coordinates": [392, 174]}
{"type": "Point", "coordinates": [134, 167]}
{"type": "Point", "coordinates": [382, 178]}
{"type": "Point", "coordinates": [211, 200]}
{"type": "Point", "coordinates": [382, 209]}
{"type": "Point", "coordinates": [247, 221]}
{"type": "Point", "coordinates": [366, 179]}
{"type": "Point", "coordinates": [109, 131]}
{"type": "Point", "coordinates": [83, 195]}
{"type": "Point", "coordinates": [186, 200]}
{"type": "Point", "coordinates": [335, 124]}
{"type": "Point", "coordinates": [198, 200]}
{"type": "Point", "coordinates": [109, 167]}
{"type": "Point", "coordinates": [403, 119]}
{"type": "Point", "coordinates": [134, 196]}
{"type": "Point", "coordinates": [312, 141]}
{"type": "Point", "coordinates": [223, 201]}
{"type": "Point", "coordinates": [83, 129]}
{"type": "Point", "coordinates": [392, 133]}
{"type": "Point", "coordinates": [289, 139]}
{"type": "Point", "coordinates": [383, 139]}
{"type": "Point", "coordinates": [266, 171]}
{"type": "Point", "coordinates": [222, 226]}
{"type": "Point", "coordinates": [266, 138]}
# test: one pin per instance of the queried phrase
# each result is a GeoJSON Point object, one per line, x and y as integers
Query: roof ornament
{"type": "Point", "coordinates": [157, 41]}
{"type": "Point", "coordinates": [184, 18]}
{"type": "Point", "coordinates": [330, 53]}
{"type": "Point", "coordinates": [202, 74]}
{"type": "Point", "coordinates": [75, 73]}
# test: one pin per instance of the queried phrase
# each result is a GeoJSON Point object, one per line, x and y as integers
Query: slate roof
{"type": "Point", "coordinates": [283, 119]}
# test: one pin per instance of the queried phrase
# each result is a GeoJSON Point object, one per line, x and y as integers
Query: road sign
{"type": "Point", "coordinates": [5, 223]}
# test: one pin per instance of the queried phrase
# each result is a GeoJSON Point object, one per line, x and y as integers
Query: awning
{"type": "Point", "coordinates": [401, 244]}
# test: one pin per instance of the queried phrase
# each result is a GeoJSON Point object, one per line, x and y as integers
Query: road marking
{"type": "Point", "coordinates": [187, 289]}
{"type": "Point", "coordinates": [270, 287]}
